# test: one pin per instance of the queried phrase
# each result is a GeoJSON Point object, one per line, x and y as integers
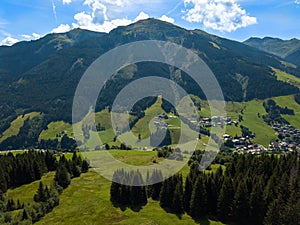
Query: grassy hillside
{"type": "Point", "coordinates": [288, 101]}
{"type": "Point", "coordinates": [87, 201]}
{"type": "Point", "coordinates": [276, 46]}
{"type": "Point", "coordinates": [49, 69]}
{"type": "Point", "coordinates": [102, 118]}
{"type": "Point", "coordinates": [251, 113]}
{"type": "Point", "coordinates": [56, 128]}
{"type": "Point", "coordinates": [131, 157]}
{"type": "Point", "coordinates": [252, 118]}
{"type": "Point", "coordinates": [142, 126]}
{"type": "Point", "coordinates": [287, 78]}
{"type": "Point", "coordinates": [26, 192]}
{"type": "Point", "coordinates": [16, 125]}
{"type": "Point", "coordinates": [286, 49]}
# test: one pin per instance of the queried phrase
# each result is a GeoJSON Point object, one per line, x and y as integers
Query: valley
{"type": "Point", "coordinates": [239, 168]}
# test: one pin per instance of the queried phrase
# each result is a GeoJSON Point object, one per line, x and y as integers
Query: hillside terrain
{"type": "Point", "coordinates": [286, 49]}
{"type": "Point", "coordinates": [191, 168]}
{"type": "Point", "coordinates": [41, 76]}
{"type": "Point", "coordinates": [48, 70]}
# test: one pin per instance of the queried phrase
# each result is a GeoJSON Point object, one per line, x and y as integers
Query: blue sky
{"type": "Point", "coordinates": [234, 19]}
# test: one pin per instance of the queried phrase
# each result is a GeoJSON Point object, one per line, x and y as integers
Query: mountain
{"type": "Point", "coordinates": [286, 49]}
{"type": "Point", "coordinates": [42, 75]}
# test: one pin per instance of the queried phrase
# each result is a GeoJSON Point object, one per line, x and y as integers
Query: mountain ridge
{"type": "Point", "coordinates": [42, 75]}
{"type": "Point", "coordinates": [286, 49]}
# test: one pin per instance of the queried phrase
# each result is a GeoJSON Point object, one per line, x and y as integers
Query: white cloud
{"type": "Point", "coordinates": [116, 2]}
{"type": "Point", "coordinates": [54, 10]}
{"type": "Point", "coordinates": [61, 28]}
{"type": "Point", "coordinates": [141, 16]}
{"type": "Point", "coordinates": [67, 1]}
{"type": "Point", "coordinates": [33, 36]}
{"type": "Point", "coordinates": [297, 2]}
{"type": "Point", "coordinates": [95, 15]}
{"type": "Point", "coordinates": [26, 36]}
{"type": "Point", "coordinates": [9, 41]}
{"type": "Point", "coordinates": [86, 21]}
{"type": "Point", "coordinates": [36, 36]}
{"type": "Point", "coordinates": [98, 8]}
{"type": "Point", "coordinates": [83, 19]}
{"type": "Point", "coordinates": [222, 15]}
{"type": "Point", "coordinates": [167, 19]}
{"type": "Point", "coordinates": [110, 25]}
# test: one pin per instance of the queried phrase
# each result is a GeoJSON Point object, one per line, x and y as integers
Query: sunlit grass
{"type": "Point", "coordinates": [16, 125]}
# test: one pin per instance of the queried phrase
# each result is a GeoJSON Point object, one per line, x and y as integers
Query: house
{"type": "Point", "coordinates": [226, 136]}
{"type": "Point", "coordinates": [206, 119]}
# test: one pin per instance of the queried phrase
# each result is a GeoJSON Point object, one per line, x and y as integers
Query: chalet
{"type": "Point", "coordinates": [206, 119]}
{"type": "Point", "coordinates": [226, 136]}
{"type": "Point", "coordinates": [163, 116]}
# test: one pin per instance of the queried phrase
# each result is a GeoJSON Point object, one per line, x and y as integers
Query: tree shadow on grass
{"type": "Point", "coordinates": [179, 215]}
{"type": "Point", "coordinates": [202, 221]}
{"type": "Point", "coordinates": [134, 208]}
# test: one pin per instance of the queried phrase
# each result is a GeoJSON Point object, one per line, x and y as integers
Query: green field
{"type": "Point", "coordinates": [142, 126]}
{"type": "Point", "coordinates": [15, 152]}
{"type": "Point", "coordinates": [16, 125]}
{"type": "Point", "coordinates": [288, 101]}
{"type": "Point", "coordinates": [104, 118]}
{"type": "Point", "coordinates": [131, 157]}
{"type": "Point", "coordinates": [288, 78]}
{"type": "Point", "coordinates": [56, 128]}
{"type": "Point", "coordinates": [252, 113]}
{"type": "Point", "coordinates": [86, 201]}
{"type": "Point", "coordinates": [264, 133]}
{"type": "Point", "coordinates": [26, 192]}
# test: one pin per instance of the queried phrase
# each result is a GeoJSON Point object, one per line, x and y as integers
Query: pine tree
{"type": "Point", "coordinates": [198, 207]}
{"type": "Point", "coordinates": [19, 205]}
{"type": "Point", "coordinates": [11, 206]}
{"type": "Point", "coordinates": [37, 171]}
{"type": "Point", "coordinates": [273, 216]}
{"type": "Point", "coordinates": [74, 157]}
{"type": "Point", "coordinates": [187, 193]}
{"type": "Point", "coordinates": [85, 166]}
{"type": "Point", "coordinates": [165, 196]}
{"type": "Point", "coordinates": [256, 204]}
{"type": "Point", "coordinates": [3, 183]}
{"type": "Point", "coordinates": [125, 194]}
{"type": "Point", "coordinates": [25, 215]}
{"type": "Point", "coordinates": [241, 203]}
{"type": "Point", "coordinates": [212, 192]}
{"type": "Point", "coordinates": [77, 159]}
{"type": "Point", "coordinates": [115, 190]}
{"type": "Point", "coordinates": [40, 196]}
{"type": "Point", "coordinates": [62, 176]}
{"type": "Point", "coordinates": [155, 188]}
{"type": "Point", "coordinates": [76, 170]}
{"type": "Point", "coordinates": [50, 161]}
{"type": "Point", "coordinates": [138, 195]}
{"type": "Point", "coordinates": [177, 202]}
{"type": "Point", "coordinates": [270, 190]}
{"type": "Point", "coordinates": [291, 212]}
{"type": "Point", "coordinates": [225, 200]}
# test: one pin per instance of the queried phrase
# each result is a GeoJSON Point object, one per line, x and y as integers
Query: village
{"type": "Point", "coordinates": [288, 141]}
{"type": "Point", "coordinates": [288, 137]}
